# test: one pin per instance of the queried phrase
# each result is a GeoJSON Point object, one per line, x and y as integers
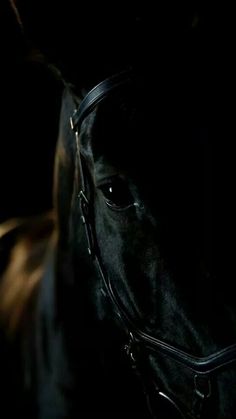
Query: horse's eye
{"type": "Point", "coordinates": [117, 194]}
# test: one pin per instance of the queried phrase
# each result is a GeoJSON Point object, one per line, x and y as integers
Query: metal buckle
{"type": "Point", "coordinates": [84, 203]}
{"type": "Point", "coordinates": [129, 349]}
{"type": "Point", "coordinates": [202, 386]}
{"type": "Point", "coordinates": [83, 197]}
{"type": "Point", "coordinates": [73, 123]}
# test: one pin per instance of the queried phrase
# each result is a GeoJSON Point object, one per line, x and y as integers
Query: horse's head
{"type": "Point", "coordinates": [134, 196]}
{"type": "Point", "coordinates": [137, 173]}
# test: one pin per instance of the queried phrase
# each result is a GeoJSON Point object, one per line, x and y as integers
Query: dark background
{"type": "Point", "coordinates": [87, 42]}
{"type": "Point", "coordinates": [30, 102]}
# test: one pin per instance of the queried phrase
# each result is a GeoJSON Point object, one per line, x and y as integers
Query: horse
{"type": "Point", "coordinates": [120, 311]}
{"type": "Point", "coordinates": [125, 314]}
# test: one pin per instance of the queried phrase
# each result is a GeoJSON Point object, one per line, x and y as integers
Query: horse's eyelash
{"type": "Point", "coordinates": [109, 180]}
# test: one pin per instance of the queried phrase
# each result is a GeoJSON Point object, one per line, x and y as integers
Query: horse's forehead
{"type": "Point", "coordinates": [136, 128]}
{"type": "Point", "coordinates": [153, 150]}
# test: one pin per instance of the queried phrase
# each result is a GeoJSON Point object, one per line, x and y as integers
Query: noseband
{"type": "Point", "coordinates": [202, 368]}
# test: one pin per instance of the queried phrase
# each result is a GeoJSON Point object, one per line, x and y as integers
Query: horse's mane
{"type": "Point", "coordinates": [16, 12]}
{"type": "Point", "coordinates": [22, 265]}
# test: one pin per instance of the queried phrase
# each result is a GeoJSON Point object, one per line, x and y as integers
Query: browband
{"type": "Point", "coordinates": [97, 95]}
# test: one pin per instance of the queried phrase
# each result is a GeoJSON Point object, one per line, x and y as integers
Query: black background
{"type": "Point", "coordinates": [30, 102]}
{"type": "Point", "coordinates": [87, 42]}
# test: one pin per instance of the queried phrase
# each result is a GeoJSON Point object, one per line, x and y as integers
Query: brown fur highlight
{"type": "Point", "coordinates": [25, 268]}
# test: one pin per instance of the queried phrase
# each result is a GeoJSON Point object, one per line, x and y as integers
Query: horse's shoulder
{"type": "Point", "coordinates": [23, 248]}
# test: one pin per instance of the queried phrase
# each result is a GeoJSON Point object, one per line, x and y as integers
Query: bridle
{"type": "Point", "coordinates": [202, 368]}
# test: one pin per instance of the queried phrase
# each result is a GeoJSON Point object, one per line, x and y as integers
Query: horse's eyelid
{"type": "Point", "coordinates": [117, 208]}
{"type": "Point", "coordinates": [107, 181]}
